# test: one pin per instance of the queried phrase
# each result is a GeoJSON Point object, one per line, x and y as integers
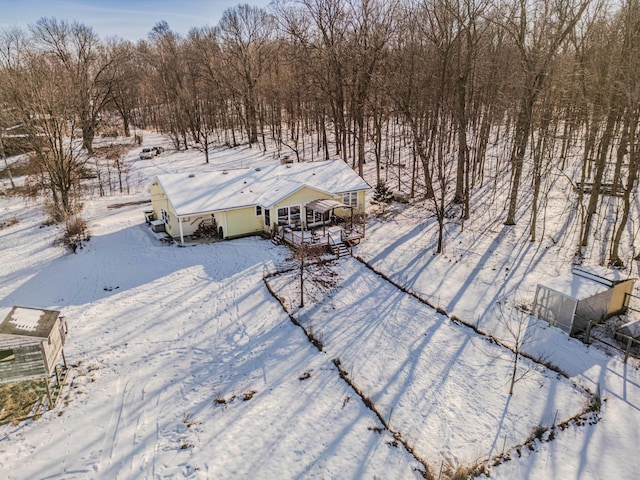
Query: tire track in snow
{"type": "Point", "coordinates": [116, 426]}
{"type": "Point", "coordinates": [144, 460]}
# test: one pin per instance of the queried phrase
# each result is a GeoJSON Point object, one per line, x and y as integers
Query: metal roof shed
{"type": "Point", "coordinates": [590, 295]}
{"type": "Point", "coordinates": [31, 341]}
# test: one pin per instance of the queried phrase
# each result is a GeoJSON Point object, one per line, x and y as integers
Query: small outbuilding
{"type": "Point", "coordinates": [31, 345]}
{"type": "Point", "coordinates": [590, 295]}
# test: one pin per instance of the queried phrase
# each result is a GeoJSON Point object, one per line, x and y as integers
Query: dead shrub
{"type": "Point", "coordinates": [189, 420]}
{"type": "Point", "coordinates": [248, 395]}
{"type": "Point", "coordinates": [76, 232]}
{"type": "Point", "coordinates": [537, 433]}
{"type": "Point", "coordinates": [465, 472]}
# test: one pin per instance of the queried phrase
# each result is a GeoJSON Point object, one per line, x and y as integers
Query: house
{"type": "Point", "coordinates": [263, 200]}
{"type": "Point", "coordinates": [31, 344]}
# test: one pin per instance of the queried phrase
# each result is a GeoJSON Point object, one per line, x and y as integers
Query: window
{"type": "Point", "coordinates": [165, 215]}
{"type": "Point", "coordinates": [317, 217]}
{"type": "Point", "coordinates": [313, 216]}
{"type": "Point", "coordinates": [258, 211]}
{"type": "Point", "coordinates": [350, 199]}
{"type": "Point", "coordinates": [294, 215]}
{"type": "Point", "coordinates": [289, 216]}
{"type": "Point", "coordinates": [267, 217]}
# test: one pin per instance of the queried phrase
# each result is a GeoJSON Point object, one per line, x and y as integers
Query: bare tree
{"type": "Point", "coordinates": [371, 23]}
{"type": "Point", "coordinates": [90, 69]}
{"type": "Point", "coordinates": [516, 331]}
{"type": "Point", "coordinates": [244, 33]}
{"type": "Point", "coordinates": [35, 86]}
{"type": "Point", "coordinates": [538, 29]}
{"type": "Point", "coordinates": [125, 92]}
{"type": "Point", "coordinates": [629, 86]}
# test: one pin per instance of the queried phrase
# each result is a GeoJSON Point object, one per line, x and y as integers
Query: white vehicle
{"type": "Point", "coordinates": [147, 153]}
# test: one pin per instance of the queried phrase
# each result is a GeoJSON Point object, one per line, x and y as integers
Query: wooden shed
{"type": "Point", "coordinates": [31, 344]}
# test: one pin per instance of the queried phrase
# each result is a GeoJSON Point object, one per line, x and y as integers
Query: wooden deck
{"type": "Point", "coordinates": [321, 236]}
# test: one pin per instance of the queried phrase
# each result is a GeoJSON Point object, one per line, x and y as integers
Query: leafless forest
{"type": "Point", "coordinates": [427, 86]}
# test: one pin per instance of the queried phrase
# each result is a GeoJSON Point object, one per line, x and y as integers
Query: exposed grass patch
{"type": "Point", "coordinates": [18, 400]}
{"type": "Point", "coordinates": [465, 472]}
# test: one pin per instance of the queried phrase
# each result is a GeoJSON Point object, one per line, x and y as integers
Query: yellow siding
{"type": "Point", "coordinates": [242, 221]}
{"type": "Point", "coordinates": [346, 212]}
{"type": "Point", "coordinates": [301, 198]}
{"type": "Point", "coordinates": [158, 199]}
{"type": "Point", "coordinates": [361, 200]}
{"type": "Point", "coordinates": [190, 224]}
{"type": "Point", "coordinates": [618, 296]}
{"type": "Point", "coordinates": [159, 202]}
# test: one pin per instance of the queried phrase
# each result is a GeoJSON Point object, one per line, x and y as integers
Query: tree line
{"type": "Point", "coordinates": [432, 88]}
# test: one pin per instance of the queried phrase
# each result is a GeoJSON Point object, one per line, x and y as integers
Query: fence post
{"type": "Point", "coordinates": [626, 352]}
{"type": "Point", "coordinates": [588, 332]}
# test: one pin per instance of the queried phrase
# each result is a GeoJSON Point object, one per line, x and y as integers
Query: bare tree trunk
{"type": "Point", "coordinates": [6, 164]}
{"type": "Point", "coordinates": [523, 126]}
{"type": "Point", "coordinates": [603, 150]}
{"type": "Point", "coordinates": [614, 256]}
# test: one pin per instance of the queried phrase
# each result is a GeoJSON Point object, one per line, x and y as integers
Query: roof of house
{"type": "Point", "coordinates": [29, 322]}
{"type": "Point", "coordinates": [193, 193]}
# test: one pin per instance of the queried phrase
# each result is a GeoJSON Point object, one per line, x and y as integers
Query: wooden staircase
{"type": "Point", "coordinates": [340, 249]}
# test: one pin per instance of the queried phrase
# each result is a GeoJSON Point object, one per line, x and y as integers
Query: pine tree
{"type": "Point", "coordinates": [382, 194]}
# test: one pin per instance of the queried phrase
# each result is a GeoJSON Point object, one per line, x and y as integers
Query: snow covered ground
{"type": "Point", "coordinates": [441, 385]}
{"type": "Point", "coordinates": [186, 367]}
{"type": "Point", "coordinates": [489, 264]}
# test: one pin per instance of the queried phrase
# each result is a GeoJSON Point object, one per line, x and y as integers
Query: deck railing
{"type": "Point", "coordinates": [296, 238]}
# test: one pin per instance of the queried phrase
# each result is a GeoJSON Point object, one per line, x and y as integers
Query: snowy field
{"type": "Point", "coordinates": [186, 367]}
{"type": "Point", "coordinates": [441, 385]}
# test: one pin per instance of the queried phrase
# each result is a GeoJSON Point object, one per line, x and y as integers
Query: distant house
{"type": "Point", "coordinates": [246, 201]}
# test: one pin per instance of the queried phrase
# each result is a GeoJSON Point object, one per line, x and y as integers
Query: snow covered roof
{"type": "Point", "coordinates": [576, 286]}
{"type": "Point", "coordinates": [600, 274]}
{"type": "Point", "coordinates": [586, 281]}
{"type": "Point", "coordinates": [195, 193]}
{"type": "Point", "coordinates": [31, 322]}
